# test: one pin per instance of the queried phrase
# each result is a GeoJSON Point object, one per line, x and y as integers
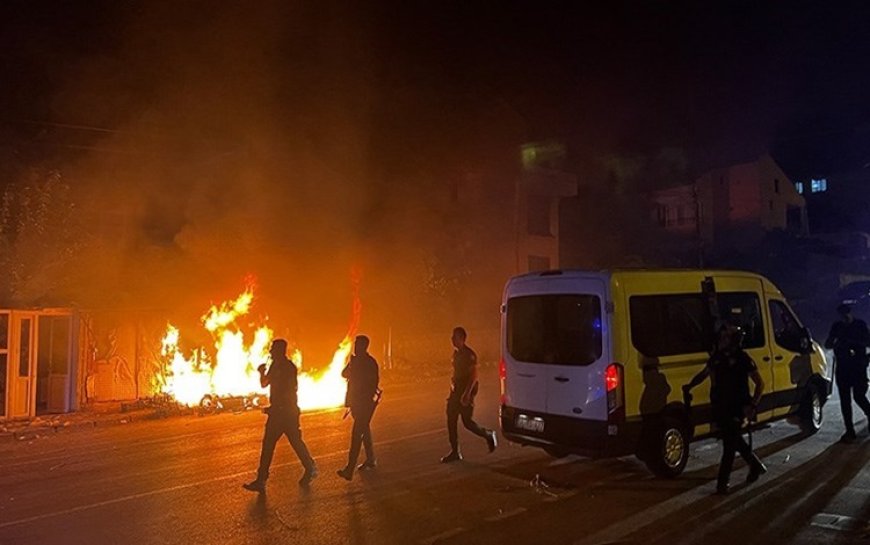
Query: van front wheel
{"type": "Point", "coordinates": [666, 447]}
{"type": "Point", "coordinates": [810, 411]}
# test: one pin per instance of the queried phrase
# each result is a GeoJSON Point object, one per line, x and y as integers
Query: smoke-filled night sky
{"type": "Point", "coordinates": [290, 140]}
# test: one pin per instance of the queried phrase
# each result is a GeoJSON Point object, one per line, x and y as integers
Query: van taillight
{"type": "Point", "coordinates": [502, 373]}
{"type": "Point", "coordinates": [614, 385]}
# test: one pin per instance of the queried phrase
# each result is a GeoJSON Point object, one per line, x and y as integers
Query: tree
{"type": "Point", "coordinates": [39, 236]}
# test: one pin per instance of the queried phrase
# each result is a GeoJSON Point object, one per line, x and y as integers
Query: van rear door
{"type": "Point", "coordinates": [556, 342]}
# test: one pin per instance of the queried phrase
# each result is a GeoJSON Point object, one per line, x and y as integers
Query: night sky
{"type": "Point", "coordinates": [723, 81]}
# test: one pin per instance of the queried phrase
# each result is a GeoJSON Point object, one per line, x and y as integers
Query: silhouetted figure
{"type": "Point", "coordinates": [730, 369]}
{"type": "Point", "coordinates": [361, 373]}
{"type": "Point", "coordinates": [849, 339]}
{"type": "Point", "coordinates": [283, 417]}
{"type": "Point", "coordinates": [460, 403]}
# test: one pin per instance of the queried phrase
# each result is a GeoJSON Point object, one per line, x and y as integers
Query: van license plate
{"type": "Point", "coordinates": [525, 422]}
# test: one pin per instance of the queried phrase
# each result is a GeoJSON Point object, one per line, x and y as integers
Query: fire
{"type": "Point", "coordinates": [232, 372]}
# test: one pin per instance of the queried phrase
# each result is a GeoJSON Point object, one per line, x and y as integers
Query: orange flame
{"type": "Point", "coordinates": [189, 379]}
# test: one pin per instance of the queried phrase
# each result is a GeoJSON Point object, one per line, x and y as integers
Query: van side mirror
{"type": "Point", "coordinates": [806, 342]}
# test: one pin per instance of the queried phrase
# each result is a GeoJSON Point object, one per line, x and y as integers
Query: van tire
{"type": "Point", "coordinates": [665, 448]}
{"type": "Point", "coordinates": [811, 413]}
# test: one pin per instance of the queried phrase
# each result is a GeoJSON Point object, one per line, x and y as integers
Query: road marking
{"type": "Point", "coordinates": [506, 514]}
{"type": "Point", "coordinates": [841, 523]}
{"type": "Point", "coordinates": [623, 528]}
{"type": "Point", "coordinates": [185, 486]}
{"type": "Point", "coordinates": [442, 536]}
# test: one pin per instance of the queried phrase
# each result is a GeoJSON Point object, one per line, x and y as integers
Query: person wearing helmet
{"type": "Point", "coordinates": [849, 339]}
{"type": "Point", "coordinates": [730, 368]}
{"type": "Point", "coordinates": [283, 417]}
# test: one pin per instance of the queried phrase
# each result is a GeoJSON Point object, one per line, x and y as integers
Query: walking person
{"type": "Point", "coordinates": [361, 373]}
{"type": "Point", "coordinates": [283, 417]}
{"type": "Point", "coordinates": [460, 402]}
{"type": "Point", "coordinates": [849, 339]}
{"type": "Point", "coordinates": [730, 368]}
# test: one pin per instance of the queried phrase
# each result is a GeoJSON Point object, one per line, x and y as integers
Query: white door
{"type": "Point", "coordinates": [21, 381]}
{"type": "Point", "coordinates": [576, 386]}
{"type": "Point", "coordinates": [5, 364]}
{"type": "Point", "coordinates": [55, 362]}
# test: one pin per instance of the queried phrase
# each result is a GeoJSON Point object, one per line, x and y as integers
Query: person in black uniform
{"type": "Point", "coordinates": [730, 369]}
{"type": "Point", "coordinates": [361, 373]}
{"type": "Point", "coordinates": [849, 338]}
{"type": "Point", "coordinates": [283, 416]}
{"type": "Point", "coordinates": [461, 400]}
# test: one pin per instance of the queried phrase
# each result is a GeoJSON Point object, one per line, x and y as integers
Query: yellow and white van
{"type": "Point", "coordinates": [593, 363]}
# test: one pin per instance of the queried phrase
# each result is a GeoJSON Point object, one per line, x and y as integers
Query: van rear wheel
{"type": "Point", "coordinates": [666, 447]}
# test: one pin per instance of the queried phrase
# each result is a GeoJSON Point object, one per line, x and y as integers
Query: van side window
{"type": "Point", "coordinates": [743, 309]}
{"type": "Point", "coordinates": [666, 325]}
{"type": "Point", "coordinates": [558, 329]}
{"type": "Point", "coordinates": [787, 331]}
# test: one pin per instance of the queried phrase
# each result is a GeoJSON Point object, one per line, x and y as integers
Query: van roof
{"type": "Point", "coordinates": [627, 272]}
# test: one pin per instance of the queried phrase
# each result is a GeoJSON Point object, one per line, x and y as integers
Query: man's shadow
{"type": "Point", "coordinates": [655, 387]}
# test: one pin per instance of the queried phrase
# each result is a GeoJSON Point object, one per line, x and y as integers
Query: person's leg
{"type": "Point", "coordinates": [453, 410]}
{"type": "Point", "coordinates": [859, 391]}
{"type": "Point", "coordinates": [756, 467]}
{"type": "Point", "coordinates": [368, 445]}
{"type": "Point", "coordinates": [467, 414]}
{"type": "Point", "coordinates": [271, 435]}
{"type": "Point", "coordinates": [730, 435]}
{"type": "Point", "coordinates": [844, 387]}
{"type": "Point", "coordinates": [293, 431]}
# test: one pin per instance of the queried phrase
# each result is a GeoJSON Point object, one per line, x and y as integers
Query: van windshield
{"type": "Point", "coordinates": [556, 329]}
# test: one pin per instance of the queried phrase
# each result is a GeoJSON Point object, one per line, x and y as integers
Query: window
{"type": "Point", "coordinates": [539, 216]}
{"type": "Point", "coordinates": [817, 186]}
{"type": "Point", "coordinates": [539, 263]}
{"type": "Point", "coordinates": [24, 348]}
{"type": "Point", "coordinates": [787, 331]}
{"type": "Point", "coordinates": [776, 185]}
{"type": "Point", "coordinates": [557, 329]}
{"type": "Point", "coordinates": [665, 325]}
{"type": "Point", "coordinates": [743, 309]}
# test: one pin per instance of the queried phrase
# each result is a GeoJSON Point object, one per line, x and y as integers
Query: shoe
{"type": "Point", "coordinates": [491, 440]}
{"type": "Point", "coordinates": [755, 472]}
{"type": "Point", "coordinates": [309, 475]}
{"type": "Point", "coordinates": [454, 456]}
{"type": "Point", "coordinates": [722, 489]}
{"type": "Point", "coordinates": [345, 473]}
{"type": "Point", "coordinates": [368, 464]}
{"type": "Point", "coordinates": [848, 438]}
{"type": "Point", "coordinates": [255, 486]}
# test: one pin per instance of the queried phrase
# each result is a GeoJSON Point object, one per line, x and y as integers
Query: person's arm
{"type": "Point", "coordinates": [346, 371]}
{"type": "Point", "coordinates": [755, 376]}
{"type": "Point", "coordinates": [833, 338]}
{"type": "Point", "coordinates": [264, 376]}
{"type": "Point", "coordinates": [697, 379]}
{"type": "Point", "coordinates": [472, 382]}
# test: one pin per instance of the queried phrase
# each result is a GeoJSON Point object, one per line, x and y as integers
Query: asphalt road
{"type": "Point", "coordinates": [179, 480]}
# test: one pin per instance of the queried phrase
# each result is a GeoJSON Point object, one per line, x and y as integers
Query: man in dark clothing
{"type": "Point", "coordinates": [849, 338]}
{"type": "Point", "coordinates": [283, 416]}
{"type": "Point", "coordinates": [361, 373]}
{"type": "Point", "coordinates": [730, 369]}
{"type": "Point", "coordinates": [461, 400]}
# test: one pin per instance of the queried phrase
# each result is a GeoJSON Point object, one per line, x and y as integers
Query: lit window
{"type": "Point", "coordinates": [800, 187]}
{"type": "Point", "coordinates": [817, 186]}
